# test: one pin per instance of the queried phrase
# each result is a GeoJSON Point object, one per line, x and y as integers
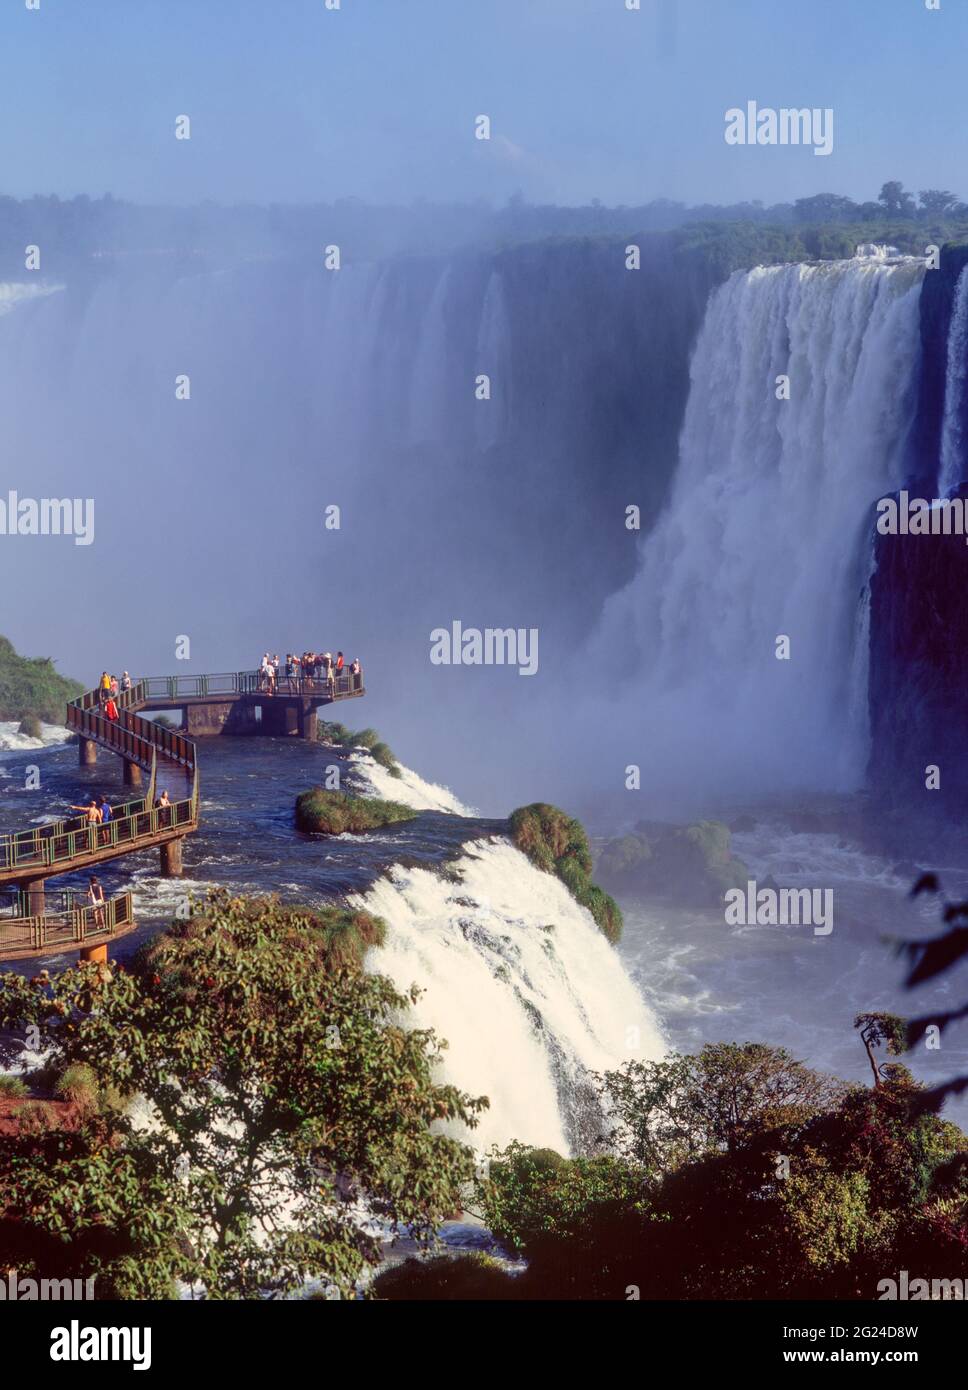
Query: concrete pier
{"type": "Point", "coordinates": [171, 859]}
{"type": "Point", "coordinates": [87, 752]}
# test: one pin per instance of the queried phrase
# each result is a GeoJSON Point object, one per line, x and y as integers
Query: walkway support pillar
{"type": "Point", "coordinates": [97, 954]}
{"type": "Point", "coordinates": [171, 859]}
{"type": "Point", "coordinates": [132, 773]}
{"type": "Point", "coordinates": [87, 752]}
{"type": "Point", "coordinates": [36, 897]}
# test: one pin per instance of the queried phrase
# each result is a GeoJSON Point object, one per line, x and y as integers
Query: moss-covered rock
{"type": "Point", "coordinates": [556, 843]}
{"type": "Point", "coordinates": [692, 864]}
{"type": "Point", "coordinates": [322, 812]}
{"type": "Point", "coordinates": [31, 727]}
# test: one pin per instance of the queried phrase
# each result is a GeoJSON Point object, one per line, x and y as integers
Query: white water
{"type": "Point", "coordinates": [520, 982]}
{"type": "Point", "coordinates": [952, 433]}
{"type": "Point", "coordinates": [409, 788]}
{"type": "Point", "coordinates": [12, 741]}
{"type": "Point", "coordinates": [768, 532]}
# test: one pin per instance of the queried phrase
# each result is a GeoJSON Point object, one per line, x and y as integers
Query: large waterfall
{"type": "Point", "coordinates": [767, 534]}
{"type": "Point", "coordinates": [529, 995]}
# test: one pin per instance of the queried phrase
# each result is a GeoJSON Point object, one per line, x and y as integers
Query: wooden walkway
{"type": "Point", "coordinates": [29, 857]}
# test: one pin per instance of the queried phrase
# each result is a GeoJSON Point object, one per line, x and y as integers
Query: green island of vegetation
{"type": "Point", "coordinates": [556, 843]}
{"type": "Point", "coordinates": [322, 812]}
{"type": "Point", "coordinates": [31, 690]}
{"type": "Point", "coordinates": [335, 733]}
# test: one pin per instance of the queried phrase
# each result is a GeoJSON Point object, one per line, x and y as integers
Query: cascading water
{"type": "Point", "coordinates": [956, 372]}
{"type": "Point", "coordinates": [518, 979]}
{"type": "Point", "coordinates": [768, 532]}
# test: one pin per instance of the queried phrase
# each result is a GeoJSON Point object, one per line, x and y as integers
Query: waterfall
{"type": "Point", "coordinates": [952, 428]}
{"type": "Point", "coordinates": [767, 533]}
{"type": "Point", "coordinates": [520, 982]}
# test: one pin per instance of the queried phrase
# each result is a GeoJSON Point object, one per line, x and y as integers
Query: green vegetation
{"type": "Point", "coordinates": [12, 1087]}
{"type": "Point", "coordinates": [323, 812]}
{"type": "Point", "coordinates": [365, 738]}
{"type": "Point", "coordinates": [557, 844]}
{"type": "Point", "coordinates": [474, 1276]}
{"type": "Point", "coordinates": [31, 726]}
{"type": "Point", "coordinates": [30, 688]}
{"type": "Point", "coordinates": [737, 1173]}
{"type": "Point", "coordinates": [331, 937]}
{"type": "Point", "coordinates": [691, 863]}
{"type": "Point", "coordinates": [258, 1061]}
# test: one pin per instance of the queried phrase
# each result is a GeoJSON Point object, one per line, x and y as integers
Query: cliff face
{"type": "Point", "coordinates": [919, 669]}
{"type": "Point", "coordinates": [918, 681]}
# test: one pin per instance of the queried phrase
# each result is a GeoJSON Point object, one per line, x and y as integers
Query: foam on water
{"type": "Point", "coordinates": [409, 788]}
{"type": "Point", "coordinates": [521, 983]}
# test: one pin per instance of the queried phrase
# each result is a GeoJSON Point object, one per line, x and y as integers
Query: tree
{"type": "Point", "coordinates": [932, 957]}
{"type": "Point", "coordinates": [282, 1093]}
{"type": "Point", "coordinates": [825, 207]}
{"type": "Point", "coordinates": [878, 1029]}
{"type": "Point", "coordinates": [895, 200]}
{"type": "Point", "coordinates": [667, 1113]}
{"type": "Point", "coordinates": [936, 202]}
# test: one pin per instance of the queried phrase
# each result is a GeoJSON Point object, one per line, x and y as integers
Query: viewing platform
{"type": "Point", "coordinates": [234, 703]}
{"type": "Point", "coordinates": [240, 703]}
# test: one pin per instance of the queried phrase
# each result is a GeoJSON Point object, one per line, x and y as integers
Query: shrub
{"type": "Point", "coordinates": [323, 812]}
{"type": "Point", "coordinates": [473, 1276]}
{"type": "Point", "coordinates": [557, 844]}
{"type": "Point", "coordinates": [31, 726]}
{"type": "Point", "coordinates": [78, 1084]}
{"type": "Point", "coordinates": [12, 1087]}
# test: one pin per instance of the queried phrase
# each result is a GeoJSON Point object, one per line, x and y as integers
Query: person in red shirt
{"type": "Point", "coordinates": [110, 710]}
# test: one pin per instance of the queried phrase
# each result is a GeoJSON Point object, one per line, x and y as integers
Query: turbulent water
{"type": "Point", "coordinates": [519, 980]}
{"type": "Point", "coordinates": [767, 531]}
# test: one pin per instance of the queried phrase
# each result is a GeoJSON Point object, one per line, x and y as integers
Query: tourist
{"type": "Point", "coordinates": [356, 670]}
{"type": "Point", "coordinates": [125, 682]}
{"type": "Point", "coordinates": [339, 666]}
{"type": "Point", "coordinates": [92, 812]}
{"type": "Point", "coordinates": [105, 819]}
{"type": "Point", "coordinates": [114, 685]}
{"type": "Point", "coordinates": [95, 896]}
{"type": "Point", "coordinates": [111, 709]}
{"type": "Point", "coordinates": [163, 804]}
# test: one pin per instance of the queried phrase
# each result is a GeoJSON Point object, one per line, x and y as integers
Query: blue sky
{"type": "Point", "coordinates": [292, 102]}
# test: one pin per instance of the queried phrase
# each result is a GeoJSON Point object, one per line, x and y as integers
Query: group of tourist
{"type": "Point", "coordinates": [109, 687]}
{"type": "Point", "coordinates": [320, 667]}
{"type": "Point", "coordinates": [100, 813]}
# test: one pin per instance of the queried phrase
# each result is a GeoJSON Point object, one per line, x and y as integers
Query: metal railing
{"type": "Point", "coordinates": [46, 930]}
{"type": "Point", "coordinates": [175, 688]}
{"type": "Point", "coordinates": [56, 845]}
